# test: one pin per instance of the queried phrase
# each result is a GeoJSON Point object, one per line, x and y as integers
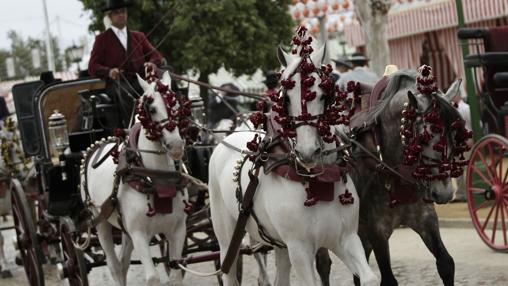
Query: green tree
{"type": "Point", "coordinates": [21, 51]}
{"type": "Point", "coordinates": [205, 35]}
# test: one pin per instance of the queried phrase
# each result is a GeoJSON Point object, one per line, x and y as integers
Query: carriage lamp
{"type": "Point", "coordinates": [59, 137]}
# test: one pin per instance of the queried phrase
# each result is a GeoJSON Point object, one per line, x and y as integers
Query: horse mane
{"type": "Point", "coordinates": [448, 114]}
{"type": "Point", "coordinates": [403, 79]}
{"type": "Point", "coordinates": [406, 80]}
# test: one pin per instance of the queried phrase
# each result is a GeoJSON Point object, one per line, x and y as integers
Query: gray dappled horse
{"type": "Point", "coordinates": [378, 218]}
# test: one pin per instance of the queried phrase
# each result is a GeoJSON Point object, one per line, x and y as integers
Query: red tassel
{"type": "Point", "coordinates": [346, 198]}
{"type": "Point", "coordinates": [151, 211]}
{"type": "Point", "coordinates": [189, 208]}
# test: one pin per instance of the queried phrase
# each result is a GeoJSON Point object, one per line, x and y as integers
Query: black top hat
{"type": "Point", "coordinates": [343, 61]}
{"type": "Point", "coordinates": [115, 4]}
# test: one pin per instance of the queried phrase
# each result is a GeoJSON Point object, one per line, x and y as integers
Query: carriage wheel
{"type": "Point", "coordinates": [26, 235]}
{"type": "Point", "coordinates": [487, 190]}
{"type": "Point", "coordinates": [74, 264]}
{"type": "Point", "coordinates": [239, 270]}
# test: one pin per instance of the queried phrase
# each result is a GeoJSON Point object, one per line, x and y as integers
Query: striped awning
{"type": "Point", "coordinates": [425, 16]}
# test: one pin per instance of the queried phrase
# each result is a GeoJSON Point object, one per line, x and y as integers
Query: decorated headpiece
{"type": "Point", "coordinates": [339, 105]}
{"type": "Point", "coordinates": [449, 164]}
{"type": "Point", "coordinates": [177, 114]}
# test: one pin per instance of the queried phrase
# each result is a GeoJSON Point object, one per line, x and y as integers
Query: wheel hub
{"type": "Point", "coordinates": [490, 193]}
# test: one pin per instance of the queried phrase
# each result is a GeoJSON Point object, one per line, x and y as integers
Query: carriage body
{"type": "Point", "coordinates": [486, 178]}
{"type": "Point", "coordinates": [46, 217]}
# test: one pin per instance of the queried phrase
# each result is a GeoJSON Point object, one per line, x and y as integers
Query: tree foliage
{"type": "Point", "coordinates": [21, 52]}
{"type": "Point", "coordinates": [204, 35]}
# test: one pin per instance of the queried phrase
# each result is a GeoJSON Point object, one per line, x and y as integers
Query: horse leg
{"type": "Point", "coordinates": [381, 248]}
{"type": "Point", "coordinates": [351, 252]}
{"type": "Point", "coordinates": [223, 226]}
{"type": "Point", "coordinates": [368, 250]}
{"type": "Point", "coordinates": [106, 240]}
{"type": "Point", "coordinates": [283, 267]}
{"type": "Point", "coordinates": [176, 240]}
{"type": "Point", "coordinates": [263, 279]}
{"type": "Point", "coordinates": [6, 273]}
{"type": "Point", "coordinates": [301, 256]}
{"type": "Point", "coordinates": [125, 254]}
{"type": "Point", "coordinates": [142, 245]}
{"type": "Point", "coordinates": [428, 229]}
{"type": "Point", "coordinates": [323, 265]}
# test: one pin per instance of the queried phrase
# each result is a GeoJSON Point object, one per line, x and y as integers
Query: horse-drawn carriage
{"type": "Point", "coordinates": [58, 123]}
{"type": "Point", "coordinates": [487, 182]}
{"type": "Point", "coordinates": [88, 184]}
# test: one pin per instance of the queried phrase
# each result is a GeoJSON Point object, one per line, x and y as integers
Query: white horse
{"type": "Point", "coordinates": [133, 204]}
{"type": "Point", "coordinates": [228, 124]}
{"type": "Point", "coordinates": [279, 203]}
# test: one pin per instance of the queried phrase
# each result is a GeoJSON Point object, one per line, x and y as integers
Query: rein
{"type": "Point", "coordinates": [209, 86]}
{"type": "Point", "coordinates": [381, 164]}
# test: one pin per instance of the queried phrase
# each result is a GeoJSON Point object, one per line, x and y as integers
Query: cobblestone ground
{"type": "Point", "coordinates": [475, 264]}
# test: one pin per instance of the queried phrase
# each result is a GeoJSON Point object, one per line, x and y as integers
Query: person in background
{"type": "Point", "coordinates": [342, 66]}
{"type": "Point", "coordinates": [271, 82]}
{"type": "Point", "coordinates": [118, 55]}
{"type": "Point", "coordinates": [360, 71]}
{"type": "Point", "coordinates": [219, 110]}
{"type": "Point", "coordinates": [465, 112]}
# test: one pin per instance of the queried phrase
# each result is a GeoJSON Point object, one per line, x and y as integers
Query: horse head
{"type": "Point", "coordinates": [304, 102]}
{"type": "Point", "coordinates": [163, 114]}
{"type": "Point", "coordinates": [434, 136]}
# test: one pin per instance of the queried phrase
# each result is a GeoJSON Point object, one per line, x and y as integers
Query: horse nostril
{"type": "Point", "coordinates": [318, 151]}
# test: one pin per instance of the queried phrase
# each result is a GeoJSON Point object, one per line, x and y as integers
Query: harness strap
{"type": "Point", "coordinates": [96, 161]}
{"type": "Point", "coordinates": [382, 165]}
{"type": "Point", "coordinates": [243, 216]}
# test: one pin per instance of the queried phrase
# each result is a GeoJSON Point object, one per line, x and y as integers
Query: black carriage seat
{"type": "Point", "coordinates": [501, 80]}
{"type": "Point", "coordinates": [494, 62]}
{"type": "Point", "coordinates": [98, 111]}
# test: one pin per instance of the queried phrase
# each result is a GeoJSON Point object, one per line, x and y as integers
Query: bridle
{"type": "Point", "coordinates": [452, 160]}
{"type": "Point", "coordinates": [177, 109]}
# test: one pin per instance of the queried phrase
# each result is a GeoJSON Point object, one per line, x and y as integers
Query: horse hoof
{"type": "Point", "coordinates": [18, 260]}
{"type": "Point", "coordinates": [6, 274]}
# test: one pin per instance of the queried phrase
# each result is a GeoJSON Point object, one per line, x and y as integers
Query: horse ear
{"type": "Point", "coordinates": [284, 58]}
{"type": "Point", "coordinates": [412, 99]}
{"type": "Point", "coordinates": [319, 56]}
{"type": "Point", "coordinates": [144, 85]}
{"type": "Point", "coordinates": [453, 90]}
{"type": "Point", "coordinates": [166, 79]}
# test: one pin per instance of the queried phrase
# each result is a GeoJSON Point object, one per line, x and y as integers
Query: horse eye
{"type": "Point", "coordinates": [153, 110]}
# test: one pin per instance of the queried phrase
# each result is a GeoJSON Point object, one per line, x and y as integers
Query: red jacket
{"type": "Point", "coordinates": [108, 53]}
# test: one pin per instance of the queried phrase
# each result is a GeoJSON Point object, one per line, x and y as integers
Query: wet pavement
{"type": "Point", "coordinates": [475, 264]}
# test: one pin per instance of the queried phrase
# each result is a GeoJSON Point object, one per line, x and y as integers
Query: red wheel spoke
{"type": "Point", "coordinates": [488, 217]}
{"type": "Point", "coordinates": [480, 206]}
{"type": "Point", "coordinates": [477, 191]}
{"type": "Point", "coordinates": [491, 154]}
{"type": "Point", "coordinates": [487, 167]}
{"type": "Point", "coordinates": [501, 159]}
{"type": "Point", "coordinates": [482, 176]}
{"type": "Point", "coordinates": [493, 238]}
{"type": "Point", "coordinates": [504, 222]}
{"type": "Point", "coordinates": [505, 176]}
